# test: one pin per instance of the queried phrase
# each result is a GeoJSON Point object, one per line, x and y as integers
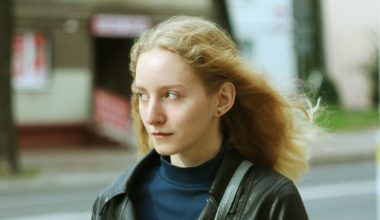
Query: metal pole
{"type": "Point", "coordinates": [378, 132]}
{"type": "Point", "coordinates": [223, 16]}
{"type": "Point", "coordinates": [8, 149]}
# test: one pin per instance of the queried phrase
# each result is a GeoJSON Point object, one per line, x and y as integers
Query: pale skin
{"type": "Point", "coordinates": [181, 118]}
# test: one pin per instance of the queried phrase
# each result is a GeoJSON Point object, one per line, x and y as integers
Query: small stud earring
{"type": "Point", "coordinates": [218, 112]}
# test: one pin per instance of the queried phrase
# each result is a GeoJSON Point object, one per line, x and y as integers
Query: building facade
{"type": "Point", "coordinates": [70, 66]}
{"type": "Point", "coordinates": [70, 58]}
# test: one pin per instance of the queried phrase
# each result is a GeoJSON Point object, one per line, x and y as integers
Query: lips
{"type": "Point", "coordinates": [161, 135]}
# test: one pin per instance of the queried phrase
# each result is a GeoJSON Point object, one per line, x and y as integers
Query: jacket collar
{"type": "Point", "coordinates": [231, 160]}
{"type": "Point", "coordinates": [122, 184]}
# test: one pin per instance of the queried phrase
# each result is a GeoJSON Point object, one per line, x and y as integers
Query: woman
{"type": "Point", "coordinates": [200, 115]}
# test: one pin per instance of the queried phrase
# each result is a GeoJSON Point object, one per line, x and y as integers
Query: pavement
{"type": "Point", "coordinates": [69, 167]}
{"type": "Point", "coordinates": [86, 165]}
{"type": "Point", "coordinates": [345, 147]}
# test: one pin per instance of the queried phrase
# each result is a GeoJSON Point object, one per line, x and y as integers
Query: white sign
{"type": "Point", "coordinates": [265, 29]}
{"type": "Point", "coordinates": [106, 25]}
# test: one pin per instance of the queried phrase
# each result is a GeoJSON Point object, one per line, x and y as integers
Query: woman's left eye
{"type": "Point", "coordinates": [171, 95]}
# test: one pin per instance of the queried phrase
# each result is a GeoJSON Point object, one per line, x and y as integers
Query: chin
{"type": "Point", "coordinates": [163, 150]}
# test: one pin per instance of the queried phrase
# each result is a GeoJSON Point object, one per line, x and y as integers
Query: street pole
{"type": "Point", "coordinates": [8, 149]}
{"type": "Point", "coordinates": [224, 16]}
{"type": "Point", "coordinates": [378, 132]}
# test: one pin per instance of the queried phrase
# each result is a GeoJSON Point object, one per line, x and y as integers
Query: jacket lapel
{"type": "Point", "coordinates": [122, 184]}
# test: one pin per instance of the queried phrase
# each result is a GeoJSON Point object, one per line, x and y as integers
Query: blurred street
{"type": "Point", "coordinates": [67, 182]}
{"type": "Point", "coordinates": [65, 185]}
{"type": "Point", "coordinates": [340, 191]}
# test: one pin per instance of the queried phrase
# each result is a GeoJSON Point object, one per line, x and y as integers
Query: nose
{"type": "Point", "coordinates": [155, 113]}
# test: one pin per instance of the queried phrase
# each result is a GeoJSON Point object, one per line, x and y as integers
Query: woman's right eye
{"type": "Point", "coordinates": [142, 96]}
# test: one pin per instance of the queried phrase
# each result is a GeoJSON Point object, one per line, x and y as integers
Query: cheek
{"type": "Point", "coordinates": [192, 115]}
{"type": "Point", "coordinates": [178, 115]}
{"type": "Point", "coordinates": [142, 113]}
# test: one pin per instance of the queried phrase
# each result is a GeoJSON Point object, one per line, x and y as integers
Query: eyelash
{"type": "Point", "coordinates": [140, 96]}
{"type": "Point", "coordinates": [170, 93]}
{"type": "Point", "coordinates": [144, 97]}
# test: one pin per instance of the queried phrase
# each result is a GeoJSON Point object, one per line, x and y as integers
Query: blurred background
{"type": "Point", "coordinates": [65, 127]}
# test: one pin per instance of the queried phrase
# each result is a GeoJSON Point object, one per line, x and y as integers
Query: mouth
{"type": "Point", "coordinates": [161, 135]}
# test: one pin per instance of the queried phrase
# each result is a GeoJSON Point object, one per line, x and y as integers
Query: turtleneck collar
{"type": "Point", "coordinates": [202, 174]}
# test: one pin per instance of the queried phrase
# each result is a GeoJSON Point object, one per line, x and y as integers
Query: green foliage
{"type": "Point", "coordinates": [319, 85]}
{"type": "Point", "coordinates": [336, 119]}
{"type": "Point", "coordinates": [328, 91]}
{"type": "Point", "coordinates": [371, 69]}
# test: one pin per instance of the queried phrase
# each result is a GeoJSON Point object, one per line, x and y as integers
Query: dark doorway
{"type": "Point", "coordinates": [112, 88]}
{"type": "Point", "coordinates": [111, 65]}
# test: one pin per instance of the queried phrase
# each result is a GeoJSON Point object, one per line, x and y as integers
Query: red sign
{"type": "Point", "coordinates": [30, 60]}
{"type": "Point", "coordinates": [111, 114]}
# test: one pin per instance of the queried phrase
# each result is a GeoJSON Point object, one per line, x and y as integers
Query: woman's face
{"type": "Point", "coordinates": [177, 113]}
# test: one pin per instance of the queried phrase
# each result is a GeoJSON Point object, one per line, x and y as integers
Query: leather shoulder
{"type": "Point", "coordinates": [270, 195]}
{"type": "Point", "coordinates": [121, 185]}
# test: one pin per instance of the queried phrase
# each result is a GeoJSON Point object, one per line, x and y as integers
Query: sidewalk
{"type": "Point", "coordinates": [73, 166]}
{"type": "Point", "coordinates": [69, 167]}
{"type": "Point", "coordinates": [345, 147]}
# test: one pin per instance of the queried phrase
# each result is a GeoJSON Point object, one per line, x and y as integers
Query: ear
{"type": "Point", "coordinates": [226, 98]}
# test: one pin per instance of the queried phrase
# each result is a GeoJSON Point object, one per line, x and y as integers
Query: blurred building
{"type": "Point", "coordinates": [264, 31]}
{"type": "Point", "coordinates": [350, 43]}
{"type": "Point", "coordinates": [70, 58]}
{"type": "Point", "coordinates": [70, 66]}
{"type": "Point", "coordinates": [311, 40]}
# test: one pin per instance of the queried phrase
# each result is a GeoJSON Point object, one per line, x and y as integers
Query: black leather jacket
{"type": "Point", "coordinates": [263, 195]}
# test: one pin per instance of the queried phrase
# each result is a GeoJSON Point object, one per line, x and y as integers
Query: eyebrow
{"type": "Point", "coordinates": [161, 87]}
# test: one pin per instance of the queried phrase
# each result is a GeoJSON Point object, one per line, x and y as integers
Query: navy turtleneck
{"type": "Point", "coordinates": [170, 192]}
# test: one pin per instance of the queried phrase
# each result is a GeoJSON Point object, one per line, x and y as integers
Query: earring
{"type": "Point", "coordinates": [218, 112]}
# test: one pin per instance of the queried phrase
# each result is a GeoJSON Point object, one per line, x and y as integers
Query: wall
{"type": "Point", "coordinates": [266, 29]}
{"type": "Point", "coordinates": [67, 98]}
{"type": "Point", "coordinates": [66, 101]}
{"type": "Point", "coordinates": [350, 29]}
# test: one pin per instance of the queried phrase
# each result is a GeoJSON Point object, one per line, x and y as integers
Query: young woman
{"type": "Point", "coordinates": [219, 141]}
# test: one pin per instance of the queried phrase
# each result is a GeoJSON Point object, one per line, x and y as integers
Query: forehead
{"type": "Point", "coordinates": [159, 67]}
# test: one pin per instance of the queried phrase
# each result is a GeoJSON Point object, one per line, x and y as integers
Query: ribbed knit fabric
{"type": "Point", "coordinates": [169, 192]}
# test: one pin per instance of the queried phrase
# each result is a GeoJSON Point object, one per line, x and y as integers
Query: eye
{"type": "Point", "coordinates": [170, 95]}
{"type": "Point", "coordinates": [142, 96]}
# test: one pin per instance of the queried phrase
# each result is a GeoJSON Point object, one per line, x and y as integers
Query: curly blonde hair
{"type": "Point", "coordinates": [263, 125]}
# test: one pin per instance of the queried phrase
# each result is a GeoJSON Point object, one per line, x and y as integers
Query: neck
{"type": "Point", "coordinates": [198, 156]}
